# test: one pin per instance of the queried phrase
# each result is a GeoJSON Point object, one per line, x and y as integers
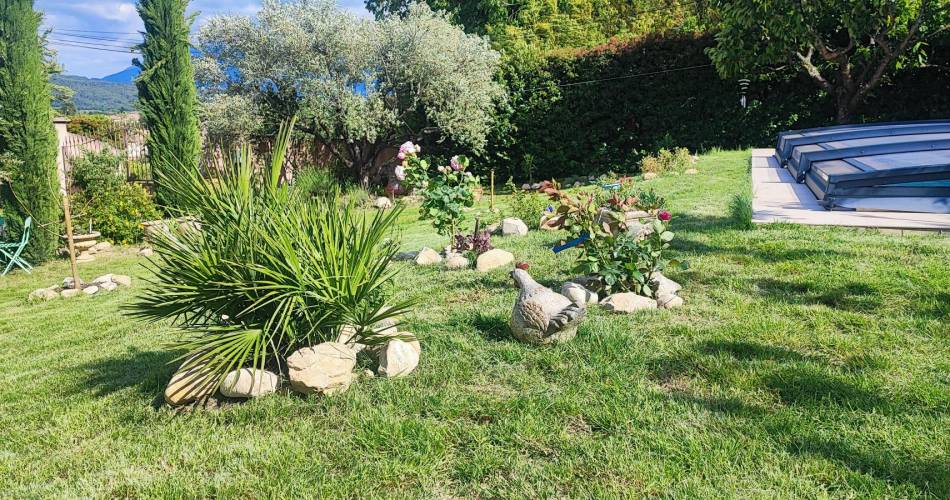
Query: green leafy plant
{"type": "Point", "coordinates": [525, 205]}
{"type": "Point", "coordinates": [315, 181]}
{"type": "Point", "coordinates": [267, 272]}
{"type": "Point", "coordinates": [666, 161]}
{"type": "Point", "coordinates": [447, 195]}
{"type": "Point", "coordinates": [740, 210]}
{"type": "Point", "coordinates": [624, 236]}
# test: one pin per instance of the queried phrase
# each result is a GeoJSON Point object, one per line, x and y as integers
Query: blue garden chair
{"type": "Point", "coordinates": [11, 251]}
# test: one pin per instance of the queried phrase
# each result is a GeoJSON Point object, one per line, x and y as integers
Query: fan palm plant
{"type": "Point", "coordinates": [262, 272]}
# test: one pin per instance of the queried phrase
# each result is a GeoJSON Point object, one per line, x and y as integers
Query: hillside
{"type": "Point", "coordinates": [127, 75]}
{"type": "Point", "coordinates": [99, 95]}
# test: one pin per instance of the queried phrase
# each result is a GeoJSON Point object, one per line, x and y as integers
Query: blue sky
{"type": "Point", "coordinates": [80, 23]}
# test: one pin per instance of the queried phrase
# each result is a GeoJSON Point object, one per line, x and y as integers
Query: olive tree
{"type": "Point", "coordinates": [360, 86]}
{"type": "Point", "coordinates": [848, 47]}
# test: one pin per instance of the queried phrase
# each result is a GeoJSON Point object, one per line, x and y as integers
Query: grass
{"type": "Point", "coordinates": [807, 362]}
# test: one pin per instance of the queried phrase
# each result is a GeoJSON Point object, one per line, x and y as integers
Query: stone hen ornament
{"type": "Point", "coordinates": [540, 315]}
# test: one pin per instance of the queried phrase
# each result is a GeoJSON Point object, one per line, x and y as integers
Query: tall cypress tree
{"type": "Point", "coordinates": [28, 141]}
{"type": "Point", "coordinates": [167, 94]}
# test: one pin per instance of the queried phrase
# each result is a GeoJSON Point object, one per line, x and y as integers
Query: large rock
{"type": "Point", "coordinates": [494, 259]}
{"type": "Point", "coordinates": [105, 278]}
{"type": "Point", "coordinates": [428, 257]}
{"type": "Point", "coordinates": [249, 383]}
{"type": "Point", "coordinates": [456, 261]}
{"type": "Point", "coordinates": [403, 256]}
{"type": "Point", "coordinates": [627, 303]}
{"type": "Point", "coordinates": [383, 203]}
{"type": "Point", "coordinates": [121, 279]}
{"type": "Point", "coordinates": [43, 294]}
{"type": "Point", "coordinates": [189, 384]}
{"type": "Point", "coordinates": [69, 292]}
{"type": "Point", "coordinates": [398, 359]}
{"type": "Point", "coordinates": [578, 294]}
{"type": "Point", "coordinates": [103, 246]}
{"type": "Point", "coordinates": [513, 227]}
{"type": "Point", "coordinates": [669, 301]}
{"type": "Point", "coordinates": [145, 251]}
{"type": "Point", "coordinates": [108, 286]}
{"type": "Point", "coordinates": [91, 290]}
{"type": "Point", "coordinates": [665, 286]}
{"type": "Point", "coordinates": [68, 282]}
{"type": "Point", "coordinates": [326, 368]}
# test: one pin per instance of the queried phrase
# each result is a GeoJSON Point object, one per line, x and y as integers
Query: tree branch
{"type": "Point", "coordinates": [813, 70]}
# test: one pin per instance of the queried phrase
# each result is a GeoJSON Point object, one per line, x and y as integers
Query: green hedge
{"type": "Point", "coordinates": [555, 130]}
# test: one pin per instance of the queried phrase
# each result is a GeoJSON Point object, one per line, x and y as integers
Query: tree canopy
{"type": "Point", "coordinates": [360, 86]}
{"type": "Point", "coordinates": [848, 47]}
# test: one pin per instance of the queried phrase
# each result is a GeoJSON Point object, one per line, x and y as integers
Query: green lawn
{"type": "Point", "coordinates": [807, 362]}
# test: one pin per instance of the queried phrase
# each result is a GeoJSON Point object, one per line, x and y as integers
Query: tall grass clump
{"type": "Point", "coordinates": [740, 210]}
{"type": "Point", "coordinates": [263, 272]}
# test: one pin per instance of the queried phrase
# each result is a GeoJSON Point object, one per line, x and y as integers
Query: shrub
{"type": "Point", "coordinates": [96, 171]}
{"type": "Point", "coordinates": [446, 196]}
{"type": "Point", "coordinates": [624, 255]}
{"type": "Point", "coordinates": [315, 181]}
{"type": "Point", "coordinates": [117, 213]}
{"type": "Point", "coordinates": [267, 272]}
{"type": "Point", "coordinates": [95, 126]}
{"type": "Point", "coordinates": [665, 161]}
{"type": "Point", "coordinates": [526, 205]}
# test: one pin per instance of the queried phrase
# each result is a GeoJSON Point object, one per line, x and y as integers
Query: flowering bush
{"type": "Point", "coordinates": [412, 171]}
{"type": "Point", "coordinates": [626, 233]}
{"type": "Point", "coordinates": [447, 194]}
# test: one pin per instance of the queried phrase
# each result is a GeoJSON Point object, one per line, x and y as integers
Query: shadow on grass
{"type": "Point", "coordinates": [492, 327]}
{"type": "Point", "coordinates": [145, 371]}
{"type": "Point", "coordinates": [851, 296]}
{"type": "Point", "coordinates": [812, 397]}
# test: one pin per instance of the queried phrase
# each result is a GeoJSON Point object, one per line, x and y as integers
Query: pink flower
{"type": "Point", "coordinates": [456, 165]}
{"type": "Point", "coordinates": [401, 155]}
{"type": "Point", "coordinates": [400, 173]}
{"type": "Point", "coordinates": [663, 215]}
{"type": "Point", "coordinates": [408, 148]}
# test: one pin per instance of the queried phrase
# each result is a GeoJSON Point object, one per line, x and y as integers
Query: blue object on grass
{"type": "Point", "coordinates": [571, 244]}
{"type": "Point", "coordinates": [611, 187]}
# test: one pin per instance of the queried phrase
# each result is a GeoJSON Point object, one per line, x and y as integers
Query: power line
{"type": "Point", "coordinates": [66, 44]}
{"type": "Point", "coordinates": [94, 44]}
{"type": "Point", "coordinates": [93, 37]}
{"type": "Point", "coordinates": [99, 32]}
{"type": "Point", "coordinates": [651, 73]}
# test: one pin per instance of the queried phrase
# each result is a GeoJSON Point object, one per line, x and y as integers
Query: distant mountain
{"type": "Point", "coordinates": [100, 96]}
{"type": "Point", "coordinates": [127, 75]}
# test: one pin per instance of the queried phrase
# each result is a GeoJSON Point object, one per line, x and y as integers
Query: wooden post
{"type": "Point", "coordinates": [60, 125]}
{"type": "Point", "coordinates": [491, 197]}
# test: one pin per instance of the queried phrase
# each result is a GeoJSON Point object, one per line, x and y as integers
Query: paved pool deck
{"type": "Point", "coordinates": [776, 197]}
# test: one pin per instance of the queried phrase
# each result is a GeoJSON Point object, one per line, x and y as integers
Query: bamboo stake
{"type": "Point", "coordinates": [67, 212]}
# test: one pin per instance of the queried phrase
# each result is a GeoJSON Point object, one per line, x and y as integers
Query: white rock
{"type": "Point", "coordinates": [146, 251]}
{"type": "Point", "coordinates": [627, 303]}
{"type": "Point", "coordinates": [383, 203]}
{"type": "Point", "coordinates": [42, 294]}
{"type": "Point", "coordinates": [189, 385]}
{"type": "Point", "coordinates": [85, 257]}
{"type": "Point", "coordinates": [578, 184]}
{"type": "Point", "coordinates": [249, 383]}
{"type": "Point", "coordinates": [326, 368]}
{"type": "Point", "coordinates": [669, 301]}
{"type": "Point", "coordinates": [69, 292]}
{"type": "Point", "coordinates": [68, 282]}
{"type": "Point", "coordinates": [103, 246]}
{"type": "Point", "coordinates": [513, 227]}
{"type": "Point", "coordinates": [398, 359]}
{"type": "Point", "coordinates": [346, 337]}
{"type": "Point", "coordinates": [91, 290]}
{"type": "Point", "coordinates": [493, 259]}
{"type": "Point", "coordinates": [649, 175]}
{"type": "Point", "coordinates": [455, 262]}
{"type": "Point", "coordinates": [428, 257]}
{"type": "Point", "coordinates": [108, 286]}
{"type": "Point", "coordinates": [578, 294]}
{"type": "Point", "coordinates": [525, 186]}
{"type": "Point", "coordinates": [105, 278]}
{"type": "Point", "coordinates": [665, 285]}
{"type": "Point", "coordinates": [121, 279]}
{"type": "Point", "coordinates": [369, 373]}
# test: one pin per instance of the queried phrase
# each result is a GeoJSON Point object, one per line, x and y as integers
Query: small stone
{"type": "Point", "coordinates": [493, 259]}
{"type": "Point", "coordinates": [627, 303]}
{"type": "Point", "coordinates": [691, 171]}
{"type": "Point", "coordinates": [92, 251]}
{"type": "Point", "coordinates": [105, 278]}
{"type": "Point", "coordinates": [69, 292]}
{"type": "Point", "coordinates": [513, 227]}
{"type": "Point", "coordinates": [369, 373]}
{"type": "Point", "coordinates": [403, 256]}
{"type": "Point", "coordinates": [189, 384]}
{"type": "Point", "coordinates": [69, 282]}
{"type": "Point", "coordinates": [249, 383]}
{"type": "Point", "coordinates": [548, 223]}
{"type": "Point", "coordinates": [146, 251]}
{"type": "Point", "coordinates": [455, 262]}
{"type": "Point", "coordinates": [326, 368]}
{"type": "Point", "coordinates": [103, 246]}
{"type": "Point", "coordinates": [84, 245]}
{"type": "Point", "coordinates": [666, 286]}
{"type": "Point", "coordinates": [398, 359]}
{"type": "Point", "coordinates": [121, 279]}
{"type": "Point", "coordinates": [578, 184]}
{"type": "Point", "coordinates": [42, 294]}
{"type": "Point", "coordinates": [108, 286]}
{"type": "Point", "coordinates": [85, 257]}
{"type": "Point", "coordinates": [649, 175]}
{"type": "Point", "coordinates": [669, 301]}
{"type": "Point", "coordinates": [536, 186]}
{"type": "Point", "coordinates": [578, 294]}
{"type": "Point", "coordinates": [428, 257]}
{"type": "Point", "coordinates": [525, 186]}
{"type": "Point", "coordinates": [383, 203]}
{"type": "Point", "coordinates": [91, 290]}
